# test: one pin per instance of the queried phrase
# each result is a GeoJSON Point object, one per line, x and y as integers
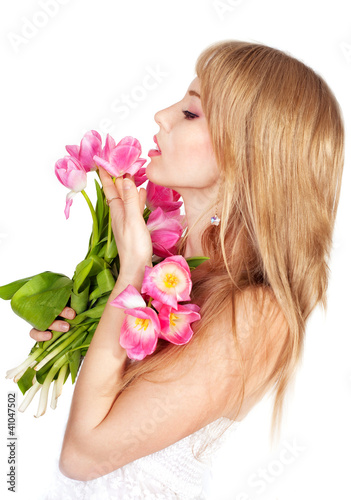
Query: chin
{"type": "Point", "coordinates": [155, 179]}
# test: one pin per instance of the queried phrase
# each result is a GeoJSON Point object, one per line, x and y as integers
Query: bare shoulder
{"type": "Point", "coordinates": [180, 397]}
{"type": "Point", "coordinates": [257, 309]}
{"type": "Point", "coordinates": [261, 332]}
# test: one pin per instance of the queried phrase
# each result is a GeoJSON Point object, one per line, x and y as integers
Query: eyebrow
{"type": "Point", "coordinates": [193, 92]}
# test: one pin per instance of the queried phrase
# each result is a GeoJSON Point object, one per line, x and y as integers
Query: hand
{"type": "Point", "coordinates": [131, 234]}
{"type": "Point", "coordinates": [57, 325]}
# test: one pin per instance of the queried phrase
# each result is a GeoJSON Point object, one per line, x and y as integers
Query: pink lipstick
{"type": "Point", "coordinates": [155, 152]}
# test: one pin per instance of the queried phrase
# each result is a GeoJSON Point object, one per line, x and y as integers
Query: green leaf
{"type": "Point", "coordinates": [74, 363]}
{"type": "Point", "coordinates": [85, 269]}
{"type": "Point", "coordinates": [193, 262]}
{"type": "Point", "coordinates": [111, 251]}
{"type": "Point", "coordinates": [26, 381]}
{"type": "Point", "coordinates": [99, 206]}
{"type": "Point", "coordinates": [79, 301]}
{"type": "Point", "coordinates": [66, 376]}
{"type": "Point", "coordinates": [7, 291]}
{"type": "Point", "coordinates": [94, 313]}
{"type": "Point", "coordinates": [80, 275]}
{"type": "Point", "coordinates": [88, 339]}
{"type": "Point", "coordinates": [42, 298]}
{"type": "Point", "coordinates": [105, 283]}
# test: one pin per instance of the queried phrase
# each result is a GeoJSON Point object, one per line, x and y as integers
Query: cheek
{"type": "Point", "coordinates": [195, 147]}
{"type": "Point", "coordinates": [205, 160]}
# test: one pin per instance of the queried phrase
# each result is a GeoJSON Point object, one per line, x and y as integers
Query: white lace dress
{"type": "Point", "coordinates": [171, 473]}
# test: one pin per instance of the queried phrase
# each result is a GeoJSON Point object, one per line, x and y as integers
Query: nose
{"type": "Point", "coordinates": [163, 118]}
{"type": "Point", "coordinates": [159, 118]}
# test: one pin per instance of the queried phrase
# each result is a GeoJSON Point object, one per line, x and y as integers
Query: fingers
{"type": "Point", "coordinates": [128, 201]}
{"type": "Point", "coordinates": [131, 199]}
{"type": "Point", "coordinates": [58, 326]}
{"type": "Point", "coordinates": [68, 313]}
{"type": "Point", "coordinates": [142, 199]}
{"type": "Point", "coordinates": [110, 188]}
{"type": "Point", "coordinates": [40, 336]}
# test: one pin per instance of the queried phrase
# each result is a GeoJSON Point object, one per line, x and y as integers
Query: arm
{"type": "Point", "coordinates": [102, 369]}
{"type": "Point", "coordinates": [105, 432]}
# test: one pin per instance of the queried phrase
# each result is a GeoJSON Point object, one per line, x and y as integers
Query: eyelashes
{"type": "Point", "coordinates": [188, 115]}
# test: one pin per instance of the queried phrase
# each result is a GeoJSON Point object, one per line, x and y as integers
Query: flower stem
{"type": "Point", "coordinates": [109, 229]}
{"type": "Point", "coordinates": [95, 221]}
{"type": "Point", "coordinates": [59, 349]}
{"type": "Point", "coordinates": [46, 385]}
{"type": "Point", "coordinates": [29, 396]}
{"type": "Point", "coordinates": [23, 367]}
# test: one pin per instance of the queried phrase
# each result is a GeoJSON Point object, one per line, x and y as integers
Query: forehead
{"type": "Point", "coordinates": [195, 84]}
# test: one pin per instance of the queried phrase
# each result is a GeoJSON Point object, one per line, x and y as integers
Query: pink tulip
{"type": "Point", "coordinates": [175, 323]}
{"type": "Point", "coordinates": [90, 146]}
{"type": "Point", "coordinates": [165, 232]}
{"type": "Point", "coordinates": [160, 196]}
{"type": "Point", "coordinates": [140, 177]}
{"type": "Point", "coordinates": [122, 158]}
{"type": "Point", "coordinates": [141, 326]}
{"type": "Point", "coordinates": [71, 173]}
{"type": "Point", "coordinates": [169, 281]}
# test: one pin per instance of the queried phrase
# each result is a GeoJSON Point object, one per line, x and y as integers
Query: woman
{"type": "Point", "coordinates": [257, 142]}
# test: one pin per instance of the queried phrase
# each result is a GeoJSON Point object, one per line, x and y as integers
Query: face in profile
{"type": "Point", "coordinates": [186, 158]}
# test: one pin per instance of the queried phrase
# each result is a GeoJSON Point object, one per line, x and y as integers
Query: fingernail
{"type": "Point", "coordinates": [47, 336]}
{"type": "Point", "coordinates": [65, 326]}
{"type": "Point", "coordinates": [127, 184]}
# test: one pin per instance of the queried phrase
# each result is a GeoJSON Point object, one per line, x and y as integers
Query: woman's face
{"type": "Point", "coordinates": [187, 159]}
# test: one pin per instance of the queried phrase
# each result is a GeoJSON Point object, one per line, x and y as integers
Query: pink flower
{"type": "Point", "coordinates": [140, 177]}
{"type": "Point", "coordinates": [175, 323]}
{"type": "Point", "coordinates": [122, 158]}
{"type": "Point", "coordinates": [165, 231]}
{"type": "Point", "coordinates": [90, 146]}
{"type": "Point", "coordinates": [141, 326]}
{"type": "Point", "coordinates": [169, 281]}
{"type": "Point", "coordinates": [71, 173]}
{"type": "Point", "coordinates": [160, 196]}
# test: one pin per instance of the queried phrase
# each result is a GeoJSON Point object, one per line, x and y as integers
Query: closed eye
{"type": "Point", "coordinates": [188, 115]}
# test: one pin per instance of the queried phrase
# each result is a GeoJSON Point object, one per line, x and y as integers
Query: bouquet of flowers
{"type": "Point", "coordinates": [39, 299]}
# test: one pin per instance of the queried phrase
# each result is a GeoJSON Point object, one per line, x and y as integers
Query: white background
{"type": "Point", "coordinates": [66, 78]}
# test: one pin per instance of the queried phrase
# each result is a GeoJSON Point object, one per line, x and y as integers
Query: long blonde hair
{"type": "Point", "coordinates": [278, 137]}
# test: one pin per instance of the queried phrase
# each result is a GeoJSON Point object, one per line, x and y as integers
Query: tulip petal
{"type": "Point", "coordinates": [131, 142]}
{"type": "Point", "coordinates": [73, 151]}
{"type": "Point", "coordinates": [90, 145]}
{"type": "Point", "coordinates": [160, 196]}
{"type": "Point", "coordinates": [136, 166]}
{"type": "Point", "coordinates": [122, 157]}
{"type": "Point", "coordinates": [139, 332]}
{"type": "Point", "coordinates": [109, 145]}
{"type": "Point", "coordinates": [165, 232]}
{"type": "Point", "coordinates": [175, 324]}
{"type": "Point", "coordinates": [70, 172]}
{"type": "Point", "coordinates": [128, 299]}
{"type": "Point", "coordinates": [140, 177]}
{"type": "Point", "coordinates": [69, 201]}
{"type": "Point", "coordinates": [169, 281]}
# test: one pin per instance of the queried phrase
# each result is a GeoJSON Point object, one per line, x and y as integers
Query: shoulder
{"type": "Point", "coordinates": [261, 335]}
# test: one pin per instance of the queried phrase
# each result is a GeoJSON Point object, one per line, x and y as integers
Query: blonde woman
{"type": "Point", "coordinates": [257, 142]}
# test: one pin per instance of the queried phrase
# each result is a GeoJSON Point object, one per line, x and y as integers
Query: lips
{"type": "Point", "coordinates": [157, 144]}
{"type": "Point", "coordinates": [155, 152]}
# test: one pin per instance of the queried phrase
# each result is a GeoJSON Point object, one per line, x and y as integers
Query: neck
{"type": "Point", "coordinates": [198, 209]}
